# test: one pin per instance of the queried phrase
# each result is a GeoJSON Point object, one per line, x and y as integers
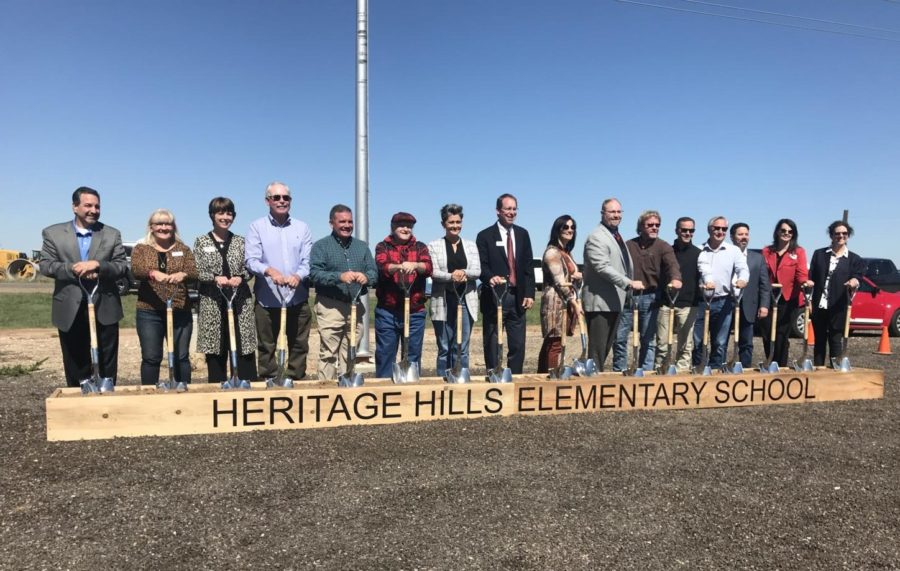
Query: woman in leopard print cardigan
{"type": "Point", "coordinates": [220, 263]}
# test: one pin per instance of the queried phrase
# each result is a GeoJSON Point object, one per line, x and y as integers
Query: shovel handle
{"type": "Point", "coordinates": [170, 330]}
{"type": "Point", "coordinates": [352, 325]}
{"type": "Point", "coordinates": [406, 317]}
{"type": "Point", "coordinates": [458, 325]}
{"type": "Point", "coordinates": [706, 326]}
{"type": "Point", "coordinates": [92, 321]}
{"type": "Point", "coordinates": [281, 344]}
{"type": "Point", "coordinates": [847, 321]}
{"type": "Point", "coordinates": [774, 323]}
{"type": "Point", "coordinates": [232, 338]}
{"type": "Point", "coordinates": [806, 311]}
{"type": "Point", "coordinates": [671, 327]}
{"type": "Point", "coordinates": [635, 334]}
{"type": "Point", "coordinates": [582, 326]}
{"type": "Point", "coordinates": [737, 320]}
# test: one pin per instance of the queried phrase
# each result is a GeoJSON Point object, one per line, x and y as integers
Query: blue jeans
{"type": "Point", "coordinates": [151, 330]}
{"type": "Point", "coordinates": [389, 332]}
{"type": "Point", "coordinates": [648, 310]}
{"type": "Point", "coordinates": [745, 343]}
{"type": "Point", "coordinates": [720, 312]}
{"type": "Point", "coordinates": [445, 334]}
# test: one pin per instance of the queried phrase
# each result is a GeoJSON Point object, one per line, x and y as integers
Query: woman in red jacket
{"type": "Point", "coordinates": [786, 262]}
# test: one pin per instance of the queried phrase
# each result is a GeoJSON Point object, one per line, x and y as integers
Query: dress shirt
{"type": "Point", "coordinates": [84, 240]}
{"type": "Point", "coordinates": [285, 247]}
{"type": "Point", "coordinates": [720, 264]}
{"type": "Point", "coordinates": [503, 237]}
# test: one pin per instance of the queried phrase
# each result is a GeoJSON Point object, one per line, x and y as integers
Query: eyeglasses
{"type": "Point", "coordinates": [686, 230]}
{"type": "Point", "coordinates": [720, 228]}
{"type": "Point", "coordinates": [786, 231]}
{"type": "Point", "coordinates": [568, 227]}
{"type": "Point", "coordinates": [840, 234]}
{"type": "Point", "coordinates": [651, 225]}
{"type": "Point", "coordinates": [158, 224]}
{"type": "Point", "coordinates": [280, 197]}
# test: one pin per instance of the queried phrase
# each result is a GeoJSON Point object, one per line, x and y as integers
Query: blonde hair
{"type": "Point", "coordinates": [160, 215]}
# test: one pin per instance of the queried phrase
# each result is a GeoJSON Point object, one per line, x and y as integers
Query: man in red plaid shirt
{"type": "Point", "coordinates": [401, 259]}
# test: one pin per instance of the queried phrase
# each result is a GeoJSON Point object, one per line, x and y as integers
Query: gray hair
{"type": "Point", "coordinates": [449, 210]}
{"type": "Point", "coordinates": [274, 183]}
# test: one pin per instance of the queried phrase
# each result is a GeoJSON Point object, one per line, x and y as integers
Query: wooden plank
{"type": "Point", "coordinates": [207, 409]}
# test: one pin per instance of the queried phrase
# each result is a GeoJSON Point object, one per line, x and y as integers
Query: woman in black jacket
{"type": "Point", "coordinates": [833, 270]}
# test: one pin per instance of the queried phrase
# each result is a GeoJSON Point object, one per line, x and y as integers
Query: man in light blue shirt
{"type": "Point", "coordinates": [722, 268]}
{"type": "Point", "coordinates": [277, 253]}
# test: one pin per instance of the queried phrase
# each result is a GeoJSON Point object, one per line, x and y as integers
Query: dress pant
{"type": "Point", "coordinates": [268, 320]}
{"type": "Point", "coordinates": [151, 330]}
{"type": "Point", "coordinates": [648, 310]}
{"type": "Point", "coordinates": [601, 334]}
{"type": "Point", "coordinates": [828, 325]}
{"type": "Point", "coordinates": [217, 364]}
{"type": "Point", "coordinates": [745, 341]}
{"type": "Point", "coordinates": [551, 350]}
{"type": "Point", "coordinates": [389, 335]}
{"type": "Point", "coordinates": [514, 323]}
{"type": "Point", "coordinates": [782, 331]}
{"type": "Point", "coordinates": [682, 337]}
{"type": "Point", "coordinates": [721, 312]}
{"type": "Point", "coordinates": [76, 349]}
{"type": "Point", "coordinates": [445, 335]}
{"type": "Point", "coordinates": [333, 321]}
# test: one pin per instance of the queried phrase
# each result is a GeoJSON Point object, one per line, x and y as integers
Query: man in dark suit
{"type": "Point", "coordinates": [505, 253]}
{"type": "Point", "coordinates": [87, 249]}
{"type": "Point", "coordinates": [757, 294]}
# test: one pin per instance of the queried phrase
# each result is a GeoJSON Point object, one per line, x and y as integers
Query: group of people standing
{"type": "Point", "coordinates": [281, 260]}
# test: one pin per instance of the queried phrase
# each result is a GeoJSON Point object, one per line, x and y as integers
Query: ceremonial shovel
{"type": "Point", "coordinates": [350, 378]}
{"type": "Point", "coordinates": [707, 299]}
{"type": "Point", "coordinates": [804, 364]}
{"type": "Point", "coordinates": [180, 386]}
{"type": "Point", "coordinates": [670, 369]}
{"type": "Point", "coordinates": [769, 366]}
{"type": "Point", "coordinates": [95, 384]}
{"type": "Point", "coordinates": [458, 374]}
{"type": "Point", "coordinates": [281, 347]}
{"type": "Point", "coordinates": [584, 366]}
{"type": "Point", "coordinates": [233, 382]}
{"type": "Point", "coordinates": [735, 366]}
{"type": "Point", "coordinates": [499, 374]}
{"type": "Point", "coordinates": [404, 371]}
{"type": "Point", "coordinates": [842, 363]}
{"type": "Point", "coordinates": [636, 370]}
{"type": "Point", "coordinates": [562, 372]}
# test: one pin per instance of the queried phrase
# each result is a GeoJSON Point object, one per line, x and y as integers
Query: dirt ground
{"type": "Point", "coordinates": [814, 486]}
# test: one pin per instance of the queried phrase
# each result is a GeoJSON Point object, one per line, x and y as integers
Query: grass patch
{"type": "Point", "coordinates": [32, 310]}
{"type": "Point", "coordinates": [20, 370]}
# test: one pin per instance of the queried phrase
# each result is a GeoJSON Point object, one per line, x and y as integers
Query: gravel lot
{"type": "Point", "coordinates": [805, 486]}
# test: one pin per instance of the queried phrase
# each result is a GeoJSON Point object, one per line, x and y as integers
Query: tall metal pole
{"type": "Point", "coordinates": [362, 148]}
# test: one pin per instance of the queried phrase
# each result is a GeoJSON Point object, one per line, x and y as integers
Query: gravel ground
{"type": "Point", "coordinates": [804, 486]}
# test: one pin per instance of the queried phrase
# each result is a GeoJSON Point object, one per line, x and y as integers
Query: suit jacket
{"type": "Point", "coordinates": [60, 251]}
{"type": "Point", "coordinates": [758, 292]}
{"type": "Point", "coordinates": [440, 279]}
{"type": "Point", "coordinates": [493, 263]}
{"type": "Point", "coordinates": [605, 276]}
{"type": "Point", "coordinates": [850, 267]}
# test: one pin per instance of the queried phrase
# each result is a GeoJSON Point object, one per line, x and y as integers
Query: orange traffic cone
{"type": "Point", "coordinates": [884, 346]}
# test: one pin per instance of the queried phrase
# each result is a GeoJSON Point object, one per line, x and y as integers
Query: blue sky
{"type": "Point", "coordinates": [564, 103]}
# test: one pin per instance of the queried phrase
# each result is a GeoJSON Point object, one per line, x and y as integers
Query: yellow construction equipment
{"type": "Point", "coordinates": [16, 265]}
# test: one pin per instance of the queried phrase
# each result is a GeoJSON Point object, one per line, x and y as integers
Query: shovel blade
{"type": "Point", "coordinates": [504, 376]}
{"type": "Point", "coordinates": [405, 372]}
{"type": "Point", "coordinates": [351, 380]}
{"type": "Point", "coordinates": [181, 387]}
{"type": "Point", "coordinates": [736, 368]}
{"type": "Point", "coordinates": [842, 364]}
{"type": "Point", "coordinates": [88, 386]}
{"type": "Point", "coordinates": [672, 370]}
{"type": "Point", "coordinates": [107, 385]}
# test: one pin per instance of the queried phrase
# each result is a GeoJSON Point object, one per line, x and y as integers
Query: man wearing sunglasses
{"type": "Point", "coordinates": [686, 253]}
{"type": "Point", "coordinates": [722, 267]}
{"type": "Point", "coordinates": [653, 260]}
{"type": "Point", "coordinates": [277, 252]}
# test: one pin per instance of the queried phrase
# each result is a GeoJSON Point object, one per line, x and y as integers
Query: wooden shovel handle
{"type": "Point", "coordinates": [92, 320]}
{"type": "Point", "coordinates": [406, 317]}
{"type": "Point", "coordinates": [232, 338]}
{"type": "Point", "coordinates": [706, 326]}
{"type": "Point", "coordinates": [281, 344]}
{"type": "Point", "coordinates": [459, 311]}
{"type": "Point", "coordinates": [353, 325]}
{"type": "Point", "coordinates": [170, 330]}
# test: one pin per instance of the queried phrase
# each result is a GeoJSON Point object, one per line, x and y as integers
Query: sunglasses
{"type": "Point", "coordinates": [652, 225]}
{"type": "Point", "coordinates": [841, 234]}
{"type": "Point", "coordinates": [720, 228]}
{"type": "Point", "coordinates": [786, 231]}
{"type": "Point", "coordinates": [686, 230]}
{"type": "Point", "coordinates": [568, 227]}
{"type": "Point", "coordinates": [280, 197]}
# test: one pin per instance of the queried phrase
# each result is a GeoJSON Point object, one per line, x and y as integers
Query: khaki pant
{"type": "Point", "coordinates": [683, 337]}
{"type": "Point", "coordinates": [333, 319]}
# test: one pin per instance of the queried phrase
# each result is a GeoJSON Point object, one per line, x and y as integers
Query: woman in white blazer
{"type": "Point", "coordinates": [456, 267]}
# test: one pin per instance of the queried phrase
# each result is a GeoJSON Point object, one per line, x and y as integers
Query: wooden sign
{"type": "Point", "coordinates": [207, 409]}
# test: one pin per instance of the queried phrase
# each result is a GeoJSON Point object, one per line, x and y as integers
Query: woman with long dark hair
{"type": "Point", "coordinates": [560, 277]}
{"type": "Point", "coordinates": [786, 262]}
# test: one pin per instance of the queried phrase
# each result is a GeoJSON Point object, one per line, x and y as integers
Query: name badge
{"type": "Point", "coordinates": [177, 254]}
{"type": "Point", "coordinates": [501, 243]}
{"type": "Point", "coordinates": [207, 249]}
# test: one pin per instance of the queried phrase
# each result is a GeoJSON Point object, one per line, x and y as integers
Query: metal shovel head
{"type": "Point", "coordinates": [351, 381]}
{"type": "Point", "coordinates": [772, 368]}
{"type": "Point", "coordinates": [88, 386]}
{"type": "Point", "coordinates": [181, 387]}
{"type": "Point", "coordinates": [272, 383]}
{"type": "Point", "coordinates": [562, 373]}
{"type": "Point", "coordinates": [704, 371]}
{"type": "Point", "coordinates": [107, 385]}
{"type": "Point", "coordinates": [504, 376]}
{"type": "Point", "coordinates": [639, 372]}
{"type": "Point", "coordinates": [842, 364]}
{"type": "Point", "coordinates": [460, 377]}
{"type": "Point", "coordinates": [736, 368]}
{"type": "Point", "coordinates": [405, 373]}
{"type": "Point", "coordinates": [672, 370]}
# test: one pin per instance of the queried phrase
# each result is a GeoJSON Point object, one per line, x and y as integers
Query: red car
{"type": "Point", "coordinates": [873, 308]}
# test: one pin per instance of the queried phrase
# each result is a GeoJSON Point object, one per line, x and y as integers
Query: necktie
{"type": "Point", "coordinates": [510, 258]}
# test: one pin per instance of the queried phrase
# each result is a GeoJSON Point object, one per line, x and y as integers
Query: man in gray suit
{"type": "Point", "coordinates": [87, 249]}
{"type": "Point", "coordinates": [608, 272]}
{"type": "Point", "coordinates": [755, 300]}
